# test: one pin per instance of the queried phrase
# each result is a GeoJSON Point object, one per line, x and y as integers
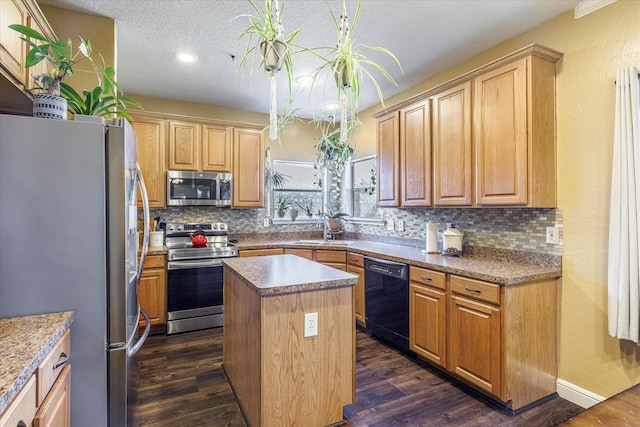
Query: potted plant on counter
{"type": "Point", "coordinates": [61, 59]}
{"type": "Point", "coordinates": [334, 219]}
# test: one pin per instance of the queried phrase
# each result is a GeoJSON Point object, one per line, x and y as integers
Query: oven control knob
{"type": "Point", "coordinates": [171, 228]}
{"type": "Point", "coordinates": [222, 227]}
{"type": "Point", "coordinates": [215, 226]}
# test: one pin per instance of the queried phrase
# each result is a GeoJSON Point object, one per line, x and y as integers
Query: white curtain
{"type": "Point", "coordinates": [624, 224]}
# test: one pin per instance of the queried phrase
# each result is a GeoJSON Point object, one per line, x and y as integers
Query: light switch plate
{"type": "Point", "coordinates": [390, 224]}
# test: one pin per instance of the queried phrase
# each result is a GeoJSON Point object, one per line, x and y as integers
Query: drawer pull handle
{"type": "Point", "coordinates": [63, 359]}
{"type": "Point", "coordinates": [472, 290]}
{"type": "Point", "coordinates": [21, 424]}
{"type": "Point", "coordinates": [428, 279]}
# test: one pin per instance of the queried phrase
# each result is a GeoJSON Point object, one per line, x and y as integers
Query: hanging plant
{"type": "Point", "coordinates": [265, 35]}
{"type": "Point", "coordinates": [347, 64]}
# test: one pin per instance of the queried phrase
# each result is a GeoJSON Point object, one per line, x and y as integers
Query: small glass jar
{"type": "Point", "coordinates": [452, 241]}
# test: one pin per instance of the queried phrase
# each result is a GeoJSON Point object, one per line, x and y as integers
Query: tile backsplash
{"type": "Point", "coordinates": [522, 229]}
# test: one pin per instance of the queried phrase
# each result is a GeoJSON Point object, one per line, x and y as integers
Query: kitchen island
{"type": "Point", "coordinates": [279, 376]}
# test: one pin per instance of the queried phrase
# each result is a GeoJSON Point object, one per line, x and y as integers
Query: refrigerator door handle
{"type": "Point", "coordinates": [134, 349]}
{"type": "Point", "coordinates": [145, 226]}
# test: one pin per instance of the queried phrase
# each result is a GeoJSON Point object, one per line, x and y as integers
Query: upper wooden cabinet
{"type": "Point", "coordinates": [452, 161]}
{"type": "Point", "coordinates": [13, 50]}
{"type": "Point", "coordinates": [199, 146]}
{"type": "Point", "coordinates": [388, 149]}
{"type": "Point", "coordinates": [248, 168]}
{"type": "Point", "coordinates": [150, 134]}
{"type": "Point", "coordinates": [184, 146]}
{"type": "Point", "coordinates": [515, 134]}
{"type": "Point", "coordinates": [15, 79]}
{"type": "Point", "coordinates": [498, 144]}
{"type": "Point", "coordinates": [216, 148]}
{"type": "Point", "coordinates": [415, 154]}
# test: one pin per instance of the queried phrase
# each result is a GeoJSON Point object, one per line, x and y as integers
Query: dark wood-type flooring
{"type": "Point", "coordinates": [180, 382]}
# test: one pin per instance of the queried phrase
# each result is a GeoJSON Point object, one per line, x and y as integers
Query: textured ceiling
{"type": "Point", "coordinates": [427, 36]}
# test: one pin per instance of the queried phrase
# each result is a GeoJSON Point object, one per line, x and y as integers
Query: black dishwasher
{"type": "Point", "coordinates": [386, 285]}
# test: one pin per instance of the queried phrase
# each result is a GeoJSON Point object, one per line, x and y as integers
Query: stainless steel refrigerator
{"type": "Point", "coordinates": [68, 241]}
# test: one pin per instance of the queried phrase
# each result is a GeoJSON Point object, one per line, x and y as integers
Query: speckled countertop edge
{"type": "Point", "coordinates": [284, 274]}
{"type": "Point", "coordinates": [476, 267]}
{"type": "Point", "coordinates": [25, 341]}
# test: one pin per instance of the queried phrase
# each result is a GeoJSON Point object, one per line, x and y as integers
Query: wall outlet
{"type": "Point", "coordinates": [390, 224]}
{"type": "Point", "coordinates": [266, 222]}
{"type": "Point", "coordinates": [400, 225]}
{"type": "Point", "coordinates": [310, 325]}
{"type": "Point", "coordinates": [553, 235]}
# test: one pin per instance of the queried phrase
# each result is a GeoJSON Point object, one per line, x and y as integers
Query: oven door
{"type": "Point", "coordinates": [194, 295]}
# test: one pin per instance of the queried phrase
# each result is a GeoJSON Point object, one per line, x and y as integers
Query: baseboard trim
{"type": "Point", "coordinates": [577, 395]}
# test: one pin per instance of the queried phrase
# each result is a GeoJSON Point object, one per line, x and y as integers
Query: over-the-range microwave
{"type": "Point", "coordinates": [199, 188]}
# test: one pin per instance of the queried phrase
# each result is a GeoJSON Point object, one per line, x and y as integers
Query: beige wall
{"type": "Point", "coordinates": [99, 30]}
{"type": "Point", "coordinates": [594, 47]}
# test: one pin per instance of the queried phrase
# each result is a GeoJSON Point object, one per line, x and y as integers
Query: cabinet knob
{"type": "Point", "coordinates": [21, 424]}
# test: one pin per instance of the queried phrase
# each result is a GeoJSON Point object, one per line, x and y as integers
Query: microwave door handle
{"type": "Point", "coordinates": [145, 226]}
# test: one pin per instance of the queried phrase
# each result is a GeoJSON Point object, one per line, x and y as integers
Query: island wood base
{"type": "Point", "coordinates": [278, 376]}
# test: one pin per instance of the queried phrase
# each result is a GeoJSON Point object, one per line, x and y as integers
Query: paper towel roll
{"type": "Point", "coordinates": [432, 238]}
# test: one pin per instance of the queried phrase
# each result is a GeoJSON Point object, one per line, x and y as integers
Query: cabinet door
{"type": "Point", "coordinates": [452, 164]}
{"type": "Point", "coordinates": [39, 24]}
{"type": "Point", "coordinates": [152, 294]}
{"type": "Point", "coordinates": [216, 148]}
{"type": "Point", "coordinates": [56, 409]}
{"type": "Point", "coordinates": [13, 51]}
{"type": "Point", "coordinates": [476, 349]}
{"type": "Point", "coordinates": [427, 323]}
{"type": "Point", "coordinates": [358, 294]}
{"type": "Point", "coordinates": [415, 153]}
{"type": "Point", "coordinates": [150, 135]}
{"type": "Point", "coordinates": [248, 168]}
{"type": "Point", "coordinates": [388, 150]}
{"type": "Point", "coordinates": [184, 146]}
{"type": "Point", "coordinates": [501, 135]}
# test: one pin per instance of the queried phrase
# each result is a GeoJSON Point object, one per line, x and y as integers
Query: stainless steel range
{"type": "Point", "coordinates": [194, 275]}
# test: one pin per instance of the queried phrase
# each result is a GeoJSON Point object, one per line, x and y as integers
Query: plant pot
{"type": "Point", "coordinates": [341, 75]}
{"type": "Point", "coordinates": [333, 224]}
{"type": "Point", "coordinates": [281, 214]}
{"type": "Point", "coordinates": [47, 106]}
{"type": "Point", "coordinates": [293, 214]}
{"type": "Point", "coordinates": [273, 53]}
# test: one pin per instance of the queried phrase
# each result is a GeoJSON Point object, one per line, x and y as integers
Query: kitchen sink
{"type": "Point", "coordinates": [321, 242]}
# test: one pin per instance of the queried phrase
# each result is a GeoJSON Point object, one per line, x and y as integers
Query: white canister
{"type": "Point", "coordinates": [452, 241]}
{"type": "Point", "coordinates": [156, 238]}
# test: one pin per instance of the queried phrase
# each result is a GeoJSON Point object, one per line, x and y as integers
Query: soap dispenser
{"type": "Point", "coordinates": [452, 241]}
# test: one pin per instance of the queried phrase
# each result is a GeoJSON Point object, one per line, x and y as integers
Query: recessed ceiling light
{"type": "Point", "coordinates": [186, 57]}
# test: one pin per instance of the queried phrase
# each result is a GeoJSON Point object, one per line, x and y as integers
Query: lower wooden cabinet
{"type": "Point", "coordinates": [502, 340]}
{"type": "Point", "coordinates": [152, 291]}
{"type": "Point", "coordinates": [56, 409]}
{"type": "Point", "coordinates": [476, 344]}
{"type": "Point", "coordinates": [355, 265]}
{"type": "Point", "coordinates": [45, 399]}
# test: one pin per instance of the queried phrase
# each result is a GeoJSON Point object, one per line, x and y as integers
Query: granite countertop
{"type": "Point", "coordinates": [283, 274]}
{"type": "Point", "coordinates": [495, 268]}
{"type": "Point", "coordinates": [25, 341]}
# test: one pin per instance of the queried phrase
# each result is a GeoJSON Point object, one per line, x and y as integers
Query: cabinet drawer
{"type": "Point", "coordinates": [154, 261]}
{"type": "Point", "coordinates": [336, 265]}
{"type": "Point", "coordinates": [331, 256]}
{"type": "Point", "coordinates": [428, 277]}
{"type": "Point", "coordinates": [483, 291]}
{"type": "Point", "coordinates": [355, 259]}
{"type": "Point", "coordinates": [23, 408]}
{"type": "Point", "coordinates": [52, 365]}
{"type": "Point", "coordinates": [260, 252]}
{"type": "Point", "coordinates": [304, 253]}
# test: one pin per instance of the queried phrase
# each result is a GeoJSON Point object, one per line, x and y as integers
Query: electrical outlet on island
{"type": "Point", "coordinates": [310, 325]}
